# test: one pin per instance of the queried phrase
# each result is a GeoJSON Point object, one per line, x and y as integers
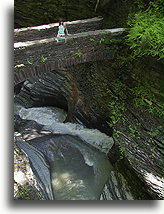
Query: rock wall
{"type": "Point", "coordinates": [130, 98]}
{"type": "Point", "coordinates": [122, 98]}
{"type": "Point", "coordinates": [136, 111]}
{"type": "Point", "coordinates": [31, 13]}
{"type": "Point", "coordinates": [124, 101]}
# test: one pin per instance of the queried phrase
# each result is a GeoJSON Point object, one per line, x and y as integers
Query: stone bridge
{"type": "Point", "coordinates": [37, 50]}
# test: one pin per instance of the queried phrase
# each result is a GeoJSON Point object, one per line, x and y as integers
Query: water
{"type": "Point", "coordinates": [52, 118]}
{"type": "Point", "coordinates": [78, 166]}
{"type": "Point", "coordinates": [78, 171]}
{"type": "Point", "coordinates": [42, 115]}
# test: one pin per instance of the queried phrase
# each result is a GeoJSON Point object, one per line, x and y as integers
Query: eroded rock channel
{"type": "Point", "coordinates": [68, 160]}
{"type": "Point", "coordinates": [63, 125]}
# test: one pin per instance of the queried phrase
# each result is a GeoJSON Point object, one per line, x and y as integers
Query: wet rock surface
{"type": "Point", "coordinates": [132, 106]}
{"type": "Point", "coordinates": [82, 90]}
{"type": "Point", "coordinates": [66, 167]}
{"type": "Point", "coordinates": [60, 89]}
{"type": "Point", "coordinates": [74, 174]}
{"type": "Point", "coordinates": [138, 130]}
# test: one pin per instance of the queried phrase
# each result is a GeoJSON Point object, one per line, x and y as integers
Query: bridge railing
{"type": "Point", "coordinates": [50, 30]}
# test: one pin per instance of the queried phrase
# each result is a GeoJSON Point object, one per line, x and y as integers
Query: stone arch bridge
{"type": "Point", "coordinates": [37, 50]}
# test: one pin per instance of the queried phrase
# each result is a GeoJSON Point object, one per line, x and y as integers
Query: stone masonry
{"type": "Point", "coordinates": [32, 58]}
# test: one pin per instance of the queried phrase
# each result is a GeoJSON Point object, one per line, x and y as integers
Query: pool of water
{"type": "Point", "coordinates": [70, 161]}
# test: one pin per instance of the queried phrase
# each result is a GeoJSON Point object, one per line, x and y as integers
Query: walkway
{"type": "Point", "coordinates": [33, 56]}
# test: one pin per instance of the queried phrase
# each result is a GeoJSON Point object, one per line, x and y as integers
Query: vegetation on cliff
{"type": "Point", "coordinates": [146, 29]}
{"type": "Point", "coordinates": [126, 91]}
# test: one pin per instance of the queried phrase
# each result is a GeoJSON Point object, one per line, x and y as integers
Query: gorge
{"type": "Point", "coordinates": [92, 130]}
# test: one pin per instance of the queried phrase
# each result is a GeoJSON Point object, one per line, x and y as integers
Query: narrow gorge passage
{"type": "Point", "coordinates": [88, 106]}
{"type": "Point", "coordinates": [73, 156]}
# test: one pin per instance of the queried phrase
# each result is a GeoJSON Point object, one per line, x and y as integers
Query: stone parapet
{"type": "Point", "coordinates": [50, 30]}
{"type": "Point", "coordinates": [40, 56]}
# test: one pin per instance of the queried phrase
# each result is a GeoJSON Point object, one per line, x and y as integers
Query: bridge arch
{"type": "Point", "coordinates": [32, 58]}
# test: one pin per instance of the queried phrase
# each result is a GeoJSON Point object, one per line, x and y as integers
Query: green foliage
{"type": "Point", "coordinates": [124, 58]}
{"type": "Point", "coordinates": [117, 109]}
{"type": "Point", "coordinates": [78, 54]}
{"type": "Point", "coordinates": [146, 30]}
{"type": "Point", "coordinates": [141, 4]}
{"type": "Point", "coordinates": [154, 132]}
{"type": "Point", "coordinates": [122, 151]}
{"type": "Point", "coordinates": [43, 59]}
{"type": "Point", "coordinates": [110, 43]}
{"type": "Point", "coordinates": [115, 41]}
{"type": "Point", "coordinates": [133, 129]}
{"type": "Point", "coordinates": [143, 97]}
{"type": "Point", "coordinates": [91, 39]}
{"type": "Point", "coordinates": [95, 41]}
{"type": "Point", "coordinates": [29, 62]}
{"type": "Point", "coordinates": [117, 133]}
{"type": "Point", "coordinates": [102, 40]}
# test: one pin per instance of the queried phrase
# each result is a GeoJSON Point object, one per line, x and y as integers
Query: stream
{"type": "Point", "coordinates": [69, 160]}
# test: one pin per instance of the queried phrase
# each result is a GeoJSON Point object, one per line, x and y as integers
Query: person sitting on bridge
{"type": "Point", "coordinates": [63, 31]}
